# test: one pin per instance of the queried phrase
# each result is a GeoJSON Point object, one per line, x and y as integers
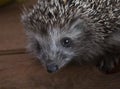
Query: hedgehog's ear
{"type": "Point", "coordinates": [77, 24]}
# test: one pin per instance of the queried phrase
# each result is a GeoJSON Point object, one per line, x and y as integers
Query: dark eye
{"type": "Point", "coordinates": [66, 42]}
{"type": "Point", "coordinates": [37, 47]}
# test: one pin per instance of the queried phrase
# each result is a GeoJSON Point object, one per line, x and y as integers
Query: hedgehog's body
{"type": "Point", "coordinates": [86, 29]}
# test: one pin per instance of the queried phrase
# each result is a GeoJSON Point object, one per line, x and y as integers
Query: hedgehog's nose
{"type": "Point", "coordinates": [52, 68]}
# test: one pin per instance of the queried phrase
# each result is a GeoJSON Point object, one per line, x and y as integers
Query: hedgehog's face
{"type": "Point", "coordinates": [55, 46]}
{"type": "Point", "coordinates": [55, 36]}
{"type": "Point", "coordinates": [54, 50]}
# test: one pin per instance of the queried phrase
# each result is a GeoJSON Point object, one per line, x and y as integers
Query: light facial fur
{"type": "Point", "coordinates": [60, 31]}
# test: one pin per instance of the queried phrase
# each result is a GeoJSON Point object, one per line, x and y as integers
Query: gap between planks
{"type": "Point", "coordinates": [13, 51]}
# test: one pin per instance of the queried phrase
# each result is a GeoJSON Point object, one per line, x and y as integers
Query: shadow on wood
{"type": "Point", "coordinates": [24, 72]}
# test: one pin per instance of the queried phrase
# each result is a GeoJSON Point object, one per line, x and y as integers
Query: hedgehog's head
{"type": "Point", "coordinates": [53, 38]}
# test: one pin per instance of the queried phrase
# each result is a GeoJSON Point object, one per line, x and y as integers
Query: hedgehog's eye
{"type": "Point", "coordinates": [37, 47]}
{"type": "Point", "coordinates": [66, 42]}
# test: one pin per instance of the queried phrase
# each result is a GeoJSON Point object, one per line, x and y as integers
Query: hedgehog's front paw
{"type": "Point", "coordinates": [107, 66]}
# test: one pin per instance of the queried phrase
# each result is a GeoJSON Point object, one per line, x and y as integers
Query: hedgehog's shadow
{"type": "Point", "coordinates": [92, 67]}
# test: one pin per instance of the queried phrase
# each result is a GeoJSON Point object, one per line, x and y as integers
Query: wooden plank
{"type": "Point", "coordinates": [11, 29]}
{"type": "Point", "coordinates": [24, 72]}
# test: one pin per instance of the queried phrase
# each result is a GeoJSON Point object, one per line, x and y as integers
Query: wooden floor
{"type": "Point", "coordinates": [19, 70]}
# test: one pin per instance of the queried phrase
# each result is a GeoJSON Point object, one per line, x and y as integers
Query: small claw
{"type": "Point", "coordinates": [106, 67]}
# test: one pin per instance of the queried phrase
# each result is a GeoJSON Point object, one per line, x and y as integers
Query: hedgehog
{"type": "Point", "coordinates": [62, 31]}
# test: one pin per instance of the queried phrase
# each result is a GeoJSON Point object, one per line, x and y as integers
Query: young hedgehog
{"type": "Point", "coordinates": [60, 31]}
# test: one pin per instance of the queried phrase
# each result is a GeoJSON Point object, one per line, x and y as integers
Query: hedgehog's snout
{"type": "Point", "coordinates": [52, 68]}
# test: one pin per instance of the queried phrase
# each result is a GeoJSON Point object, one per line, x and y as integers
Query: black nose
{"type": "Point", "coordinates": [52, 68]}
